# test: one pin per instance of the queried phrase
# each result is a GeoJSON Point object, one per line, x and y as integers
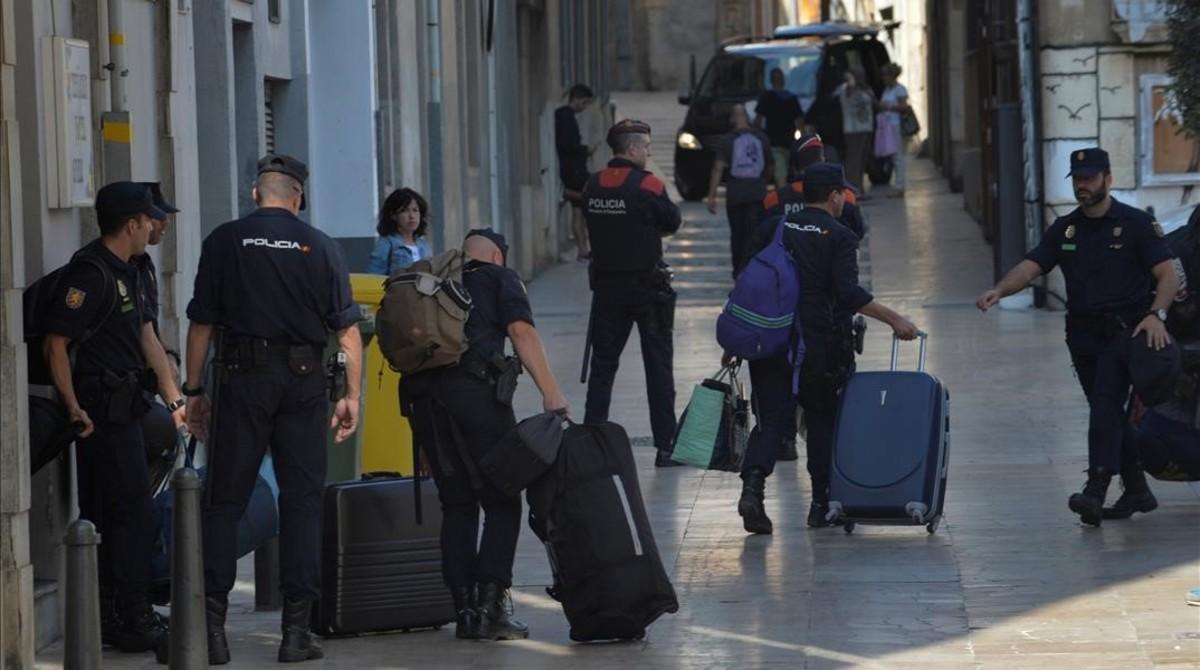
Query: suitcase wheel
{"type": "Point", "coordinates": [848, 527]}
{"type": "Point", "coordinates": [932, 526]}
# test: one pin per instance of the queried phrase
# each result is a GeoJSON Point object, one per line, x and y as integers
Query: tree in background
{"type": "Point", "coordinates": [1183, 25]}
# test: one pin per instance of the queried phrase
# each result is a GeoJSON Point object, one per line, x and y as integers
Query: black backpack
{"type": "Point", "coordinates": [37, 302]}
{"type": "Point", "coordinates": [50, 430]}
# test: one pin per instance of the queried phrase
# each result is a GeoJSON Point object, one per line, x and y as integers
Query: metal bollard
{"type": "Point", "coordinates": [267, 597]}
{"type": "Point", "coordinates": [83, 597]}
{"type": "Point", "coordinates": [188, 643]}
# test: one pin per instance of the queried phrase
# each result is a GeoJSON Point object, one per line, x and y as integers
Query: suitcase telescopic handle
{"type": "Point", "coordinates": [921, 335]}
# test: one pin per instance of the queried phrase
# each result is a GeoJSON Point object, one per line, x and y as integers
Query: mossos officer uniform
{"type": "Point", "coordinates": [628, 213]}
{"type": "Point", "coordinates": [1120, 281]}
{"type": "Point", "coordinates": [96, 314]}
{"type": "Point", "coordinates": [826, 258]}
{"type": "Point", "coordinates": [275, 287]}
{"type": "Point", "coordinates": [789, 199]}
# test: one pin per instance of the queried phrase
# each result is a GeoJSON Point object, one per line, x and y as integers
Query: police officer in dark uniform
{"type": "Point", "coordinates": [808, 150]}
{"type": "Point", "coordinates": [276, 288]}
{"type": "Point", "coordinates": [628, 213]}
{"type": "Point", "coordinates": [826, 258]}
{"type": "Point", "coordinates": [99, 315]}
{"type": "Point", "coordinates": [1120, 282]}
{"type": "Point", "coordinates": [459, 413]}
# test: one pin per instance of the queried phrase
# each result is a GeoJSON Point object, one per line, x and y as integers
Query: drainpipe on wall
{"type": "Point", "coordinates": [433, 47]}
{"type": "Point", "coordinates": [1027, 61]}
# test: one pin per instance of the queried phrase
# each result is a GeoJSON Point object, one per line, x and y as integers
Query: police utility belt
{"type": "Point", "coordinates": [1111, 322]}
{"type": "Point", "coordinates": [240, 353]}
{"type": "Point", "coordinates": [116, 397]}
{"type": "Point", "coordinates": [496, 369]}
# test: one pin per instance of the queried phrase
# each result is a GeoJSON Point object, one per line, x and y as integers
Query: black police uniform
{"type": "Point", "coordinates": [109, 378]}
{"type": "Point", "coordinates": [826, 254]}
{"type": "Point", "coordinates": [458, 413]}
{"type": "Point", "coordinates": [275, 287]}
{"type": "Point", "coordinates": [1106, 263]}
{"type": "Point", "coordinates": [628, 212]}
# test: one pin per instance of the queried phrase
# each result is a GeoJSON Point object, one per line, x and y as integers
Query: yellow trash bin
{"type": "Point", "coordinates": [387, 444]}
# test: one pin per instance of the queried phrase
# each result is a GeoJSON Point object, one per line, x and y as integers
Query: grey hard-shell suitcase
{"type": "Point", "coordinates": [891, 448]}
{"type": "Point", "coordinates": [381, 569]}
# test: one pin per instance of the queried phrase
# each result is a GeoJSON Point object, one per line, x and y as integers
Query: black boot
{"type": "Point", "coordinates": [140, 628]}
{"type": "Point", "coordinates": [467, 627]}
{"type": "Point", "coordinates": [1089, 503]}
{"type": "Point", "coordinates": [215, 608]}
{"type": "Point", "coordinates": [496, 617]}
{"type": "Point", "coordinates": [298, 642]}
{"type": "Point", "coordinates": [751, 506]}
{"type": "Point", "coordinates": [663, 460]}
{"type": "Point", "coordinates": [1135, 498]}
{"type": "Point", "coordinates": [818, 515]}
{"type": "Point", "coordinates": [110, 621]}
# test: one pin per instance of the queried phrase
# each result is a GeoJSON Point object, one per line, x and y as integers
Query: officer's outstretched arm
{"type": "Point", "coordinates": [528, 345]}
{"type": "Point", "coordinates": [1016, 280]}
{"type": "Point", "coordinates": [54, 349]}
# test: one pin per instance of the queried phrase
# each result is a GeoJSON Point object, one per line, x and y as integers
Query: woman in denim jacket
{"type": "Point", "coordinates": [403, 221]}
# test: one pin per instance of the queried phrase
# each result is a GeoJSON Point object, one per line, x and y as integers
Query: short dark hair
{"type": "Point", "coordinates": [398, 200]}
{"type": "Point", "coordinates": [819, 193]}
{"type": "Point", "coordinates": [622, 142]}
{"type": "Point", "coordinates": [579, 92]}
{"type": "Point", "coordinates": [111, 224]}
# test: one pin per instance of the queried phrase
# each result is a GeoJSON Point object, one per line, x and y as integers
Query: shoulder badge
{"type": "Point", "coordinates": [75, 298]}
{"type": "Point", "coordinates": [1158, 229]}
{"type": "Point", "coordinates": [1070, 233]}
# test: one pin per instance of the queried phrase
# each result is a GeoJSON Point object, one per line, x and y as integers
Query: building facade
{"type": "Point", "coordinates": [453, 99]}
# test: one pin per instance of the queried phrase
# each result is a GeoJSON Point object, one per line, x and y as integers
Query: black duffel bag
{"type": "Point", "coordinates": [524, 454]}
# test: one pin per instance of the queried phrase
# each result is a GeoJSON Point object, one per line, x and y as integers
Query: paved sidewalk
{"type": "Point", "coordinates": [1010, 580]}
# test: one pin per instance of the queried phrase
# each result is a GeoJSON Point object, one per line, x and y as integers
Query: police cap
{"type": "Point", "coordinates": [626, 127]}
{"type": "Point", "coordinates": [807, 150]}
{"type": "Point", "coordinates": [289, 166]}
{"type": "Point", "coordinates": [829, 175]}
{"type": "Point", "coordinates": [1088, 162]}
{"type": "Point", "coordinates": [127, 198]}
{"type": "Point", "coordinates": [160, 201]}
{"type": "Point", "coordinates": [1155, 372]}
{"type": "Point", "coordinates": [492, 235]}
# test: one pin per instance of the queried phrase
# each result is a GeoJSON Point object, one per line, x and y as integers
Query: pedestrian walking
{"type": "Point", "coordinates": [402, 227]}
{"type": "Point", "coordinates": [894, 104]}
{"type": "Point", "coordinates": [628, 213]}
{"type": "Point", "coordinates": [746, 152]}
{"type": "Point", "coordinates": [269, 289]}
{"type": "Point", "coordinates": [858, 122]}
{"type": "Point", "coordinates": [1120, 282]}
{"type": "Point", "coordinates": [573, 157]}
{"type": "Point", "coordinates": [458, 414]}
{"type": "Point", "coordinates": [779, 113]}
{"type": "Point", "coordinates": [103, 353]}
{"type": "Point", "coordinates": [825, 254]}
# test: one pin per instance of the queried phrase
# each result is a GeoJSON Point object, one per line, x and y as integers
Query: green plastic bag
{"type": "Point", "coordinates": [713, 431]}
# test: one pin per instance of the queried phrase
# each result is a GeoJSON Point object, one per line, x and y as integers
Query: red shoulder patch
{"type": "Point", "coordinates": [653, 184]}
{"type": "Point", "coordinates": [798, 186]}
{"type": "Point", "coordinates": [771, 201]}
{"type": "Point", "coordinates": [613, 177]}
{"type": "Point", "coordinates": [850, 197]}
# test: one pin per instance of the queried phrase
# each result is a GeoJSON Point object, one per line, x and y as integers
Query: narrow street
{"type": "Point", "coordinates": [1010, 580]}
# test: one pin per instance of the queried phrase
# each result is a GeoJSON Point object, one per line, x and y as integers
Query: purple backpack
{"type": "Point", "coordinates": [759, 319]}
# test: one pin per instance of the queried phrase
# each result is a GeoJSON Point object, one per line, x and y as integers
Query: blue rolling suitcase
{"type": "Point", "coordinates": [891, 448]}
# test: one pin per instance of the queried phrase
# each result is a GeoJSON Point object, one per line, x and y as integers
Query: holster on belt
{"type": "Point", "coordinates": [497, 369]}
{"type": "Point", "coordinates": [114, 397]}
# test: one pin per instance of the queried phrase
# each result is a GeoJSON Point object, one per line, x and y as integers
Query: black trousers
{"type": "Point", "coordinates": [613, 314]}
{"type": "Point", "coordinates": [775, 410]}
{"type": "Point", "coordinates": [114, 494]}
{"type": "Point", "coordinates": [743, 219]}
{"type": "Point", "coordinates": [455, 418]}
{"type": "Point", "coordinates": [1100, 353]}
{"type": "Point", "coordinates": [268, 407]}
